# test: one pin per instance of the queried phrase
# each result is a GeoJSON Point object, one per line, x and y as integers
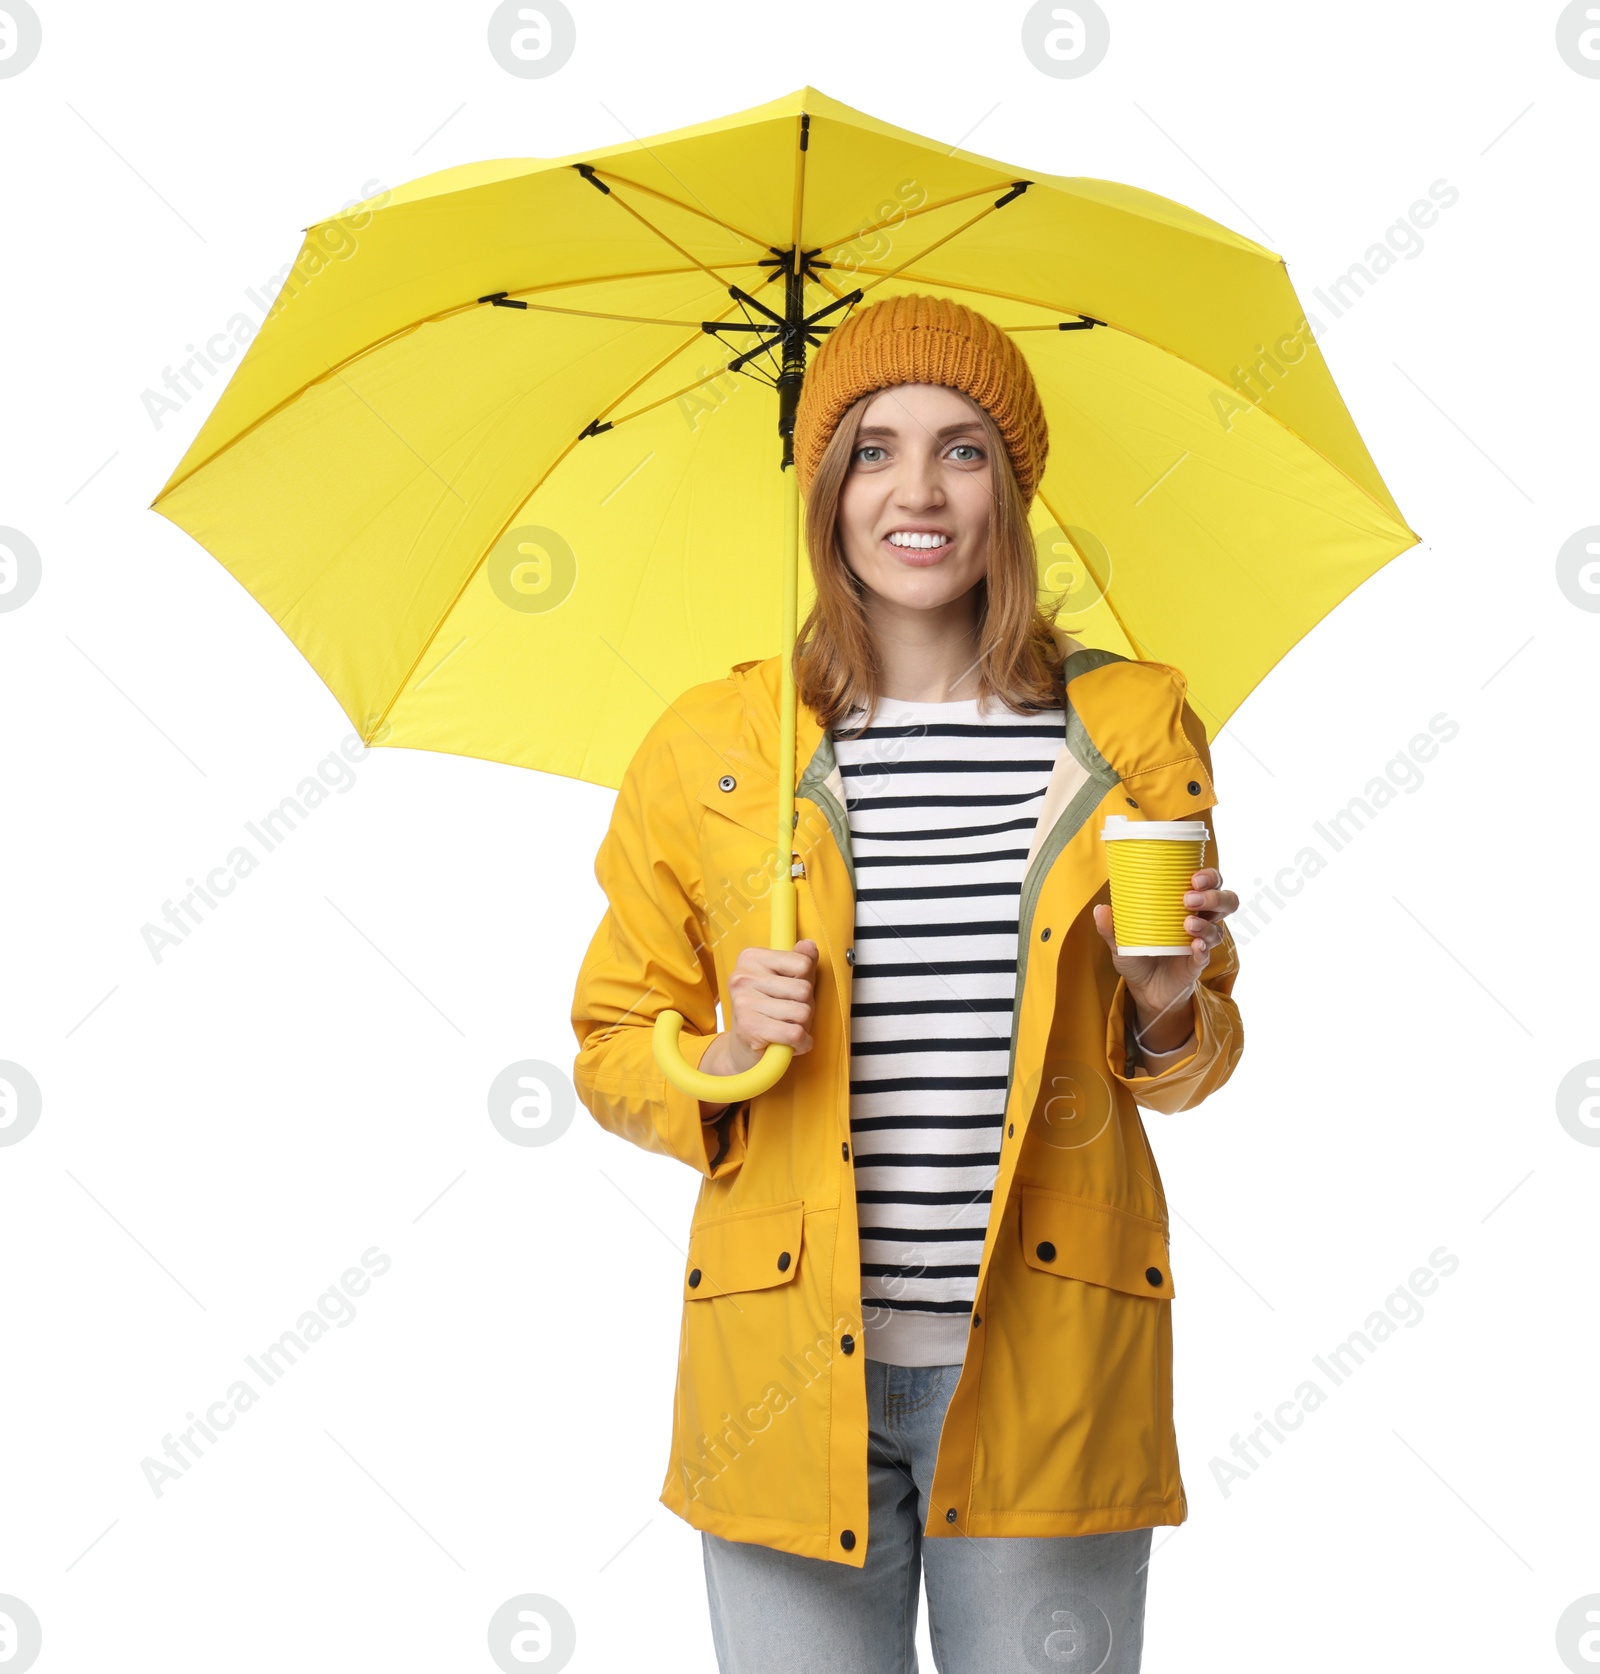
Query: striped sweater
{"type": "Point", "coordinates": [942, 802]}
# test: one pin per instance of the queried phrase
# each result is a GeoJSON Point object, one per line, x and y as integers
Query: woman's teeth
{"type": "Point", "coordinates": [900, 538]}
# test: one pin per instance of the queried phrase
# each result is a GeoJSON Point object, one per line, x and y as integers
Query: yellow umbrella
{"type": "Point", "coordinates": [504, 459]}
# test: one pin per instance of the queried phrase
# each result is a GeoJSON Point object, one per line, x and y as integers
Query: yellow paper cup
{"type": "Point", "coordinates": [1152, 863]}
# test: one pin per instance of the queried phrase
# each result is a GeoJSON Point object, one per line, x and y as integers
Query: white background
{"type": "Point", "coordinates": [225, 1131]}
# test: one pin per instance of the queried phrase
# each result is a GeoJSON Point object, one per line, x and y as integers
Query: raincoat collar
{"type": "Point", "coordinates": [761, 682]}
{"type": "Point", "coordinates": [751, 762]}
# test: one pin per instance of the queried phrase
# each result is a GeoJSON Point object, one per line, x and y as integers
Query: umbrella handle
{"type": "Point", "coordinates": [746, 1084]}
{"type": "Point", "coordinates": [714, 1089]}
{"type": "Point", "coordinates": [733, 1089]}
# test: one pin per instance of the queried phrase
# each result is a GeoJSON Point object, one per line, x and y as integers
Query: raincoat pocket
{"type": "Point", "coordinates": [751, 1249]}
{"type": "Point", "coordinates": [1082, 1341]}
{"type": "Point", "coordinates": [751, 1418]}
{"type": "Point", "coordinates": [1077, 1238]}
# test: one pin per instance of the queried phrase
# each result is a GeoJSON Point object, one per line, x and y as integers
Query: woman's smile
{"type": "Point", "coordinates": [918, 545]}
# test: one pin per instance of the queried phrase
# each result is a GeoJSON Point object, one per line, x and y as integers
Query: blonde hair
{"type": "Point", "coordinates": [835, 657]}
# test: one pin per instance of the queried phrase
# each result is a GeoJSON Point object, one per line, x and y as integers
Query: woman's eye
{"type": "Point", "coordinates": [972, 447]}
{"type": "Point", "coordinates": [868, 447]}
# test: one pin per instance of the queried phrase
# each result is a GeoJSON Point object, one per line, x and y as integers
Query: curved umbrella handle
{"type": "Point", "coordinates": [732, 1089]}
{"type": "Point", "coordinates": [714, 1089]}
{"type": "Point", "coordinates": [746, 1084]}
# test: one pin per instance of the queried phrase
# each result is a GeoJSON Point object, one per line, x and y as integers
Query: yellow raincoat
{"type": "Point", "coordinates": [1061, 1421]}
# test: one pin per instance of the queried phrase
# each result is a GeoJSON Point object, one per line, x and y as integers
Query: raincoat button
{"type": "Point", "coordinates": [844, 1151]}
{"type": "Point", "coordinates": [726, 782]}
{"type": "Point", "coordinates": [847, 1343]}
{"type": "Point", "coordinates": [1046, 1251]}
{"type": "Point", "coordinates": [1153, 1274]}
{"type": "Point", "coordinates": [950, 1515]}
{"type": "Point", "coordinates": [977, 1320]}
{"type": "Point", "coordinates": [1044, 934]}
{"type": "Point", "coordinates": [694, 1277]}
{"type": "Point", "coordinates": [1128, 799]}
{"type": "Point", "coordinates": [783, 1262]}
{"type": "Point", "coordinates": [1011, 1128]}
{"type": "Point", "coordinates": [849, 956]}
{"type": "Point", "coordinates": [847, 1539]}
{"type": "Point", "coordinates": [1194, 787]}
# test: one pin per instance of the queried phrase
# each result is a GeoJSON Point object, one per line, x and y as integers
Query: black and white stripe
{"type": "Point", "coordinates": [942, 805]}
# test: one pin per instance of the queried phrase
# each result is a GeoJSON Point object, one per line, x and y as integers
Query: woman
{"type": "Point", "coordinates": [926, 1299]}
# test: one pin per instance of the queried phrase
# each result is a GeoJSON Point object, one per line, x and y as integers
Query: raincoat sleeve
{"type": "Point", "coordinates": [649, 955]}
{"type": "Point", "coordinates": [1218, 1031]}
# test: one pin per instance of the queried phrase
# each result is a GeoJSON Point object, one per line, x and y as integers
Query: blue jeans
{"type": "Point", "coordinates": [995, 1605]}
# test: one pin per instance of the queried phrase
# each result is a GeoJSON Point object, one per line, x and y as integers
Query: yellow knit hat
{"type": "Point", "coordinates": [916, 339]}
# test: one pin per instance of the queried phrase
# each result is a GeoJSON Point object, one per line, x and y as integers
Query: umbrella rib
{"type": "Point", "coordinates": [610, 279]}
{"type": "Point", "coordinates": [639, 186]}
{"type": "Point", "coordinates": [928, 251]}
{"type": "Point", "coordinates": [466, 581]}
{"type": "Point", "coordinates": [594, 314]}
{"type": "Point", "coordinates": [925, 209]}
{"type": "Point", "coordinates": [827, 284]}
{"type": "Point", "coordinates": [650, 407]}
{"type": "Point", "coordinates": [665, 237]}
{"type": "Point", "coordinates": [1105, 595]}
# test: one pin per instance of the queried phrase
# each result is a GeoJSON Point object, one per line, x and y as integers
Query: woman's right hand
{"type": "Point", "coordinates": [770, 994]}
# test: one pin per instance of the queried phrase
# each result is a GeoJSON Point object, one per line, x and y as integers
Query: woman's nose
{"type": "Point", "coordinates": [919, 483]}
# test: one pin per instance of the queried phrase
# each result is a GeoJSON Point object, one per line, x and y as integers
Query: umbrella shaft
{"type": "Point", "coordinates": [794, 367]}
{"type": "Point", "coordinates": [784, 904]}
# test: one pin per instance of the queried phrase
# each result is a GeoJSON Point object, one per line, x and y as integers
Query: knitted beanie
{"type": "Point", "coordinates": [916, 339]}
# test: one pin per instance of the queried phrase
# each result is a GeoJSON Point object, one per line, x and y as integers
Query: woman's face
{"type": "Point", "coordinates": [921, 469]}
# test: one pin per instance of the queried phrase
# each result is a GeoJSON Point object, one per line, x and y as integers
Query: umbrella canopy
{"type": "Point", "coordinates": [491, 472]}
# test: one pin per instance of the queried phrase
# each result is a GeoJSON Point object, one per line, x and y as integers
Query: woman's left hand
{"type": "Point", "coordinates": [1160, 983]}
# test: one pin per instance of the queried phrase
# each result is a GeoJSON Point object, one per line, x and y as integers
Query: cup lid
{"type": "Point", "coordinates": [1186, 831]}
